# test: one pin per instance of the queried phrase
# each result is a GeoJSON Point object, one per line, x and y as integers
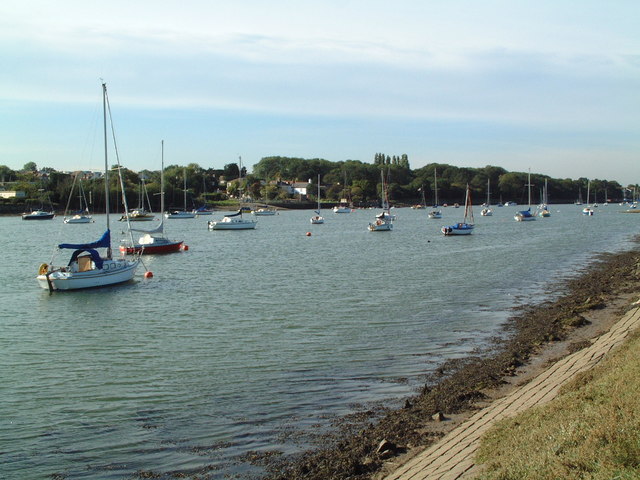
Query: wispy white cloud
{"type": "Point", "coordinates": [540, 65]}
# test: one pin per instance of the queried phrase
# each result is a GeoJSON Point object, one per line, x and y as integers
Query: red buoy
{"type": "Point", "coordinates": [148, 274]}
{"type": "Point", "coordinates": [308, 234]}
{"type": "Point", "coordinates": [185, 248]}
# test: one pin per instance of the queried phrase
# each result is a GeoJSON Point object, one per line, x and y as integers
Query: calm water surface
{"type": "Point", "coordinates": [253, 335]}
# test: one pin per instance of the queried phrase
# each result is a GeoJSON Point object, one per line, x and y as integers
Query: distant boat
{"type": "Point", "coordinates": [526, 215]}
{"type": "Point", "coordinates": [83, 214]}
{"type": "Point", "coordinates": [233, 221]}
{"type": "Point", "coordinates": [318, 219]}
{"type": "Point", "coordinates": [486, 211]}
{"type": "Point", "coordinates": [384, 220]}
{"type": "Point", "coordinates": [467, 224]}
{"type": "Point", "coordinates": [423, 205]}
{"type": "Point", "coordinates": [140, 214]}
{"type": "Point", "coordinates": [342, 209]}
{"type": "Point", "coordinates": [436, 212]}
{"type": "Point", "coordinates": [544, 208]}
{"type": "Point", "coordinates": [588, 210]}
{"type": "Point", "coordinates": [179, 214]}
{"type": "Point", "coordinates": [87, 268]}
{"type": "Point", "coordinates": [154, 241]}
{"type": "Point", "coordinates": [203, 210]}
{"type": "Point", "coordinates": [265, 211]}
{"type": "Point", "coordinates": [38, 215]}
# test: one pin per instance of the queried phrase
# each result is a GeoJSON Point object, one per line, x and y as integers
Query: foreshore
{"type": "Point", "coordinates": [534, 338]}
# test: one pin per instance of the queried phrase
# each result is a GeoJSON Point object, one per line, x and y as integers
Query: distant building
{"type": "Point", "coordinates": [12, 194]}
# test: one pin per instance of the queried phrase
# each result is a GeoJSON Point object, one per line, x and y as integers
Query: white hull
{"type": "Point", "coordinates": [317, 220]}
{"type": "Point", "coordinates": [263, 213]}
{"type": "Point", "coordinates": [380, 227]}
{"type": "Point", "coordinates": [113, 272]}
{"type": "Point", "coordinates": [449, 231]}
{"type": "Point", "coordinates": [522, 218]}
{"type": "Point", "coordinates": [233, 225]}
{"type": "Point", "coordinates": [180, 215]}
{"type": "Point", "coordinates": [79, 219]}
{"type": "Point", "coordinates": [486, 212]}
{"type": "Point", "coordinates": [435, 214]}
{"type": "Point", "coordinates": [341, 210]}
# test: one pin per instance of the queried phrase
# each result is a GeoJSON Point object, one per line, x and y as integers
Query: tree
{"type": "Point", "coordinates": [30, 167]}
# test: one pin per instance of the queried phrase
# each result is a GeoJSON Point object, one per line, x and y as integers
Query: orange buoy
{"type": "Point", "coordinates": [308, 234]}
{"type": "Point", "coordinates": [148, 274]}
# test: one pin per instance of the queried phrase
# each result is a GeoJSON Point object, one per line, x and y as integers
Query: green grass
{"type": "Point", "coordinates": [590, 431]}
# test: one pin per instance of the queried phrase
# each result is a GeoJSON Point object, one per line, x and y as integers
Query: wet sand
{"type": "Point", "coordinates": [533, 340]}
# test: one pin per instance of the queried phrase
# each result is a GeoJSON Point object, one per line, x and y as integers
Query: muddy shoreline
{"type": "Point", "coordinates": [531, 338]}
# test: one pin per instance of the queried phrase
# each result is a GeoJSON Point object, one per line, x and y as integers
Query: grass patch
{"type": "Point", "coordinates": [590, 431]}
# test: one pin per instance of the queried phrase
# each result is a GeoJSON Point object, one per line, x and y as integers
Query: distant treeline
{"type": "Point", "coordinates": [354, 180]}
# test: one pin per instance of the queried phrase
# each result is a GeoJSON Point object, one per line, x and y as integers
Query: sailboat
{"type": "Point", "coordinates": [467, 224]}
{"type": "Point", "coordinates": [155, 241]}
{"type": "Point", "coordinates": [177, 214]}
{"type": "Point", "coordinates": [588, 210]}
{"type": "Point", "coordinates": [544, 207]}
{"type": "Point", "coordinates": [423, 205]}
{"type": "Point", "coordinates": [486, 211]}
{"type": "Point", "coordinates": [233, 221]}
{"type": "Point", "coordinates": [40, 214]}
{"type": "Point", "coordinates": [140, 214]}
{"type": "Point", "coordinates": [87, 268]}
{"type": "Point", "coordinates": [435, 213]}
{"type": "Point", "coordinates": [526, 215]}
{"type": "Point", "coordinates": [83, 214]}
{"type": "Point", "coordinates": [384, 220]}
{"type": "Point", "coordinates": [318, 219]}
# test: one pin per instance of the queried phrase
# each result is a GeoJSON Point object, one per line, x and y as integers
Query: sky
{"type": "Point", "coordinates": [547, 85]}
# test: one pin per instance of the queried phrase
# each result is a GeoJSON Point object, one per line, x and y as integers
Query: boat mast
{"type": "Point", "coordinates": [162, 182]}
{"type": "Point", "coordinates": [106, 161]}
{"type": "Point", "coordinates": [435, 184]}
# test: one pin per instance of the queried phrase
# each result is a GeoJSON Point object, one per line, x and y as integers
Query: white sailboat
{"type": "Point", "coordinates": [140, 214]}
{"type": "Point", "coordinates": [466, 226]}
{"type": "Point", "coordinates": [179, 214]}
{"type": "Point", "coordinates": [436, 212]}
{"type": "Point", "coordinates": [384, 220]}
{"type": "Point", "coordinates": [588, 210]}
{"type": "Point", "coordinates": [87, 268]}
{"type": "Point", "coordinates": [318, 219]}
{"type": "Point", "coordinates": [83, 215]}
{"type": "Point", "coordinates": [487, 211]}
{"type": "Point", "coordinates": [233, 221]}
{"type": "Point", "coordinates": [544, 207]}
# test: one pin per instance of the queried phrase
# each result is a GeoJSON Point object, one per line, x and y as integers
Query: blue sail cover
{"type": "Point", "coordinates": [104, 242]}
{"type": "Point", "coordinates": [95, 256]}
{"type": "Point", "coordinates": [526, 213]}
{"type": "Point", "coordinates": [239, 212]}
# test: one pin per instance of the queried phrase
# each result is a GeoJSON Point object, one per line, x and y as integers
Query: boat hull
{"type": "Point", "coordinates": [383, 227]}
{"type": "Point", "coordinates": [244, 225]}
{"type": "Point", "coordinates": [180, 215]}
{"type": "Point", "coordinates": [79, 219]}
{"type": "Point", "coordinates": [454, 230]}
{"type": "Point", "coordinates": [169, 247]}
{"type": "Point", "coordinates": [113, 272]}
{"type": "Point", "coordinates": [317, 220]}
{"type": "Point", "coordinates": [38, 216]}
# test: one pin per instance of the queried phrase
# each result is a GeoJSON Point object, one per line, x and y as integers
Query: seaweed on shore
{"type": "Point", "coordinates": [356, 452]}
